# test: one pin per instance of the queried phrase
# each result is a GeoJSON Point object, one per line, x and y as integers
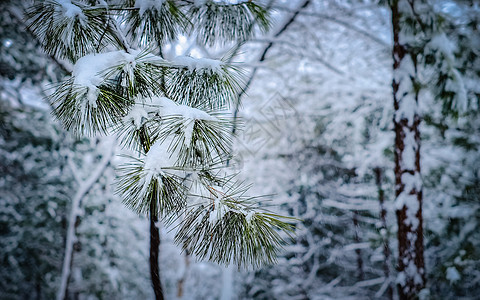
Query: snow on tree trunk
{"type": "Point", "coordinates": [75, 212]}
{"type": "Point", "coordinates": [408, 183]}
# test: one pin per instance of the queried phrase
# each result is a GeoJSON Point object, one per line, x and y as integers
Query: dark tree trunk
{"type": "Point", "coordinates": [356, 238]}
{"type": "Point", "coordinates": [154, 232]}
{"type": "Point", "coordinates": [384, 231]}
{"type": "Point", "coordinates": [154, 254]}
{"type": "Point", "coordinates": [408, 186]}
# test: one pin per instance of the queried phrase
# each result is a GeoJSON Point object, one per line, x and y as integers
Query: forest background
{"type": "Point", "coordinates": [317, 134]}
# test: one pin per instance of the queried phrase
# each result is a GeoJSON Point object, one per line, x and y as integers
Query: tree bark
{"type": "Point", "coordinates": [154, 254]}
{"type": "Point", "coordinates": [408, 184]}
{"type": "Point", "coordinates": [154, 232]}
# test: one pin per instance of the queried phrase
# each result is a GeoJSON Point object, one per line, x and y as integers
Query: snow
{"type": "Point", "coordinates": [138, 115]}
{"type": "Point", "coordinates": [199, 3]}
{"type": "Point", "coordinates": [441, 43]}
{"type": "Point", "coordinates": [144, 5]}
{"type": "Point", "coordinates": [75, 211]}
{"type": "Point", "coordinates": [165, 107]}
{"type": "Point", "coordinates": [249, 216]}
{"type": "Point", "coordinates": [72, 11]}
{"type": "Point", "coordinates": [410, 202]}
{"type": "Point", "coordinates": [455, 84]}
{"type": "Point", "coordinates": [158, 158]}
{"type": "Point", "coordinates": [218, 212]}
{"type": "Point", "coordinates": [412, 182]}
{"type": "Point", "coordinates": [452, 274]}
{"type": "Point", "coordinates": [198, 64]}
{"type": "Point", "coordinates": [87, 71]}
{"type": "Point", "coordinates": [168, 107]}
{"type": "Point", "coordinates": [189, 131]}
{"type": "Point", "coordinates": [408, 106]}
{"type": "Point", "coordinates": [408, 158]}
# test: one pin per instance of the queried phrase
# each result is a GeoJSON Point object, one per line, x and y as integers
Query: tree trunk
{"type": "Point", "coordinates": [384, 231]}
{"type": "Point", "coordinates": [408, 184]}
{"type": "Point", "coordinates": [154, 232]}
{"type": "Point", "coordinates": [181, 281]}
{"type": "Point", "coordinates": [154, 253]}
{"type": "Point", "coordinates": [82, 191]}
{"type": "Point", "coordinates": [356, 237]}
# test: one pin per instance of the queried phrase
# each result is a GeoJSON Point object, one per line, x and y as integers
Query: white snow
{"type": "Point", "coordinates": [87, 71]}
{"type": "Point", "coordinates": [199, 3]}
{"type": "Point", "coordinates": [456, 85]}
{"type": "Point", "coordinates": [408, 158]}
{"type": "Point", "coordinates": [249, 216]}
{"type": "Point", "coordinates": [408, 106]}
{"type": "Point", "coordinates": [75, 211]}
{"type": "Point", "coordinates": [138, 115]}
{"type": "Point", "coordinates": [158, 158]}
{"type": "Point", "coordinates": [441, 43]}
{"type": "Point", "coordinates": [189, 131]}
{"type": "Point", "coordinates": [412, 205]}
{"type": "Point", "coordinates": [72, 11]}
{"type": "Point", "coordinates": [144, 5]}
{"type": "Point", "coordinates": [198, 64]}
{"type": "Point", "coordinates": [412, 182]}
{"type": "Point", "coordinates": [166, 107]}
{"type": "Point", "coordinates": [452, 274]}
{"type": "Point", "coordinates": [217, 214]}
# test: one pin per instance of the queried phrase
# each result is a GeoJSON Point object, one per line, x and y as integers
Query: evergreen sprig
{"type": "Point", "coordinates": [140, 76]}
{"type": "Point", "coordinates": [202, 88]}
{"type": "Point", "coordinates": [72, 106]}
{"type": "Point", "coordinates": [71, 30]}
{"type": "Point", "coordinates": [216, 22]}
{"type": "Point", "coordinates": [182, 140]}
{"type": "Point", "coordinates": [229, 227]}
{"type": "Point", "coordinates": [139, 188]}
{"type": "Point", "coordinates": [157, 25]}
{"type": "Point", "coordinates": [209, 142]}
{"type": "Point", "coordinates": [133, 135]}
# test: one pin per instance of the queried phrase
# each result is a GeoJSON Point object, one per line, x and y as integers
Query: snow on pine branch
{"type": "Point", "coordinates": [148, 109]}
{"type": "Point", "coordinates": [72, 11]}
{"type": "Point", "coordinates": [198, 64]}
{"type": "Point", "coordinates": [225, 213]}
{"type": "Point", "coordinates": [145, 5]}
{"type": "Point", "coordinates": [88, 70]}
{"type": "Point", "coordinates": [71, 29]}
{"type": "Point", "coordinates": [454, 85]}
{"type": "Point", "coordinates": [202, 82]}
{"type": "Point", "coordinates": [200, 138]}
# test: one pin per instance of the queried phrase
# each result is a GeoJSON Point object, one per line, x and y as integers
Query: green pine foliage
{"type": "Point", "coordinates": [170, 112]}
{"type": "Point", "coordinates": [32, 157]}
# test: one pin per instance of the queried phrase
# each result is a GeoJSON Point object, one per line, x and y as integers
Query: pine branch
{"type": "Point", "coordinates": [154, 24]}
{"type": "Point", "coordinates": [216, 22]}
{"type": "Point", "coordinates": [70, 30]}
